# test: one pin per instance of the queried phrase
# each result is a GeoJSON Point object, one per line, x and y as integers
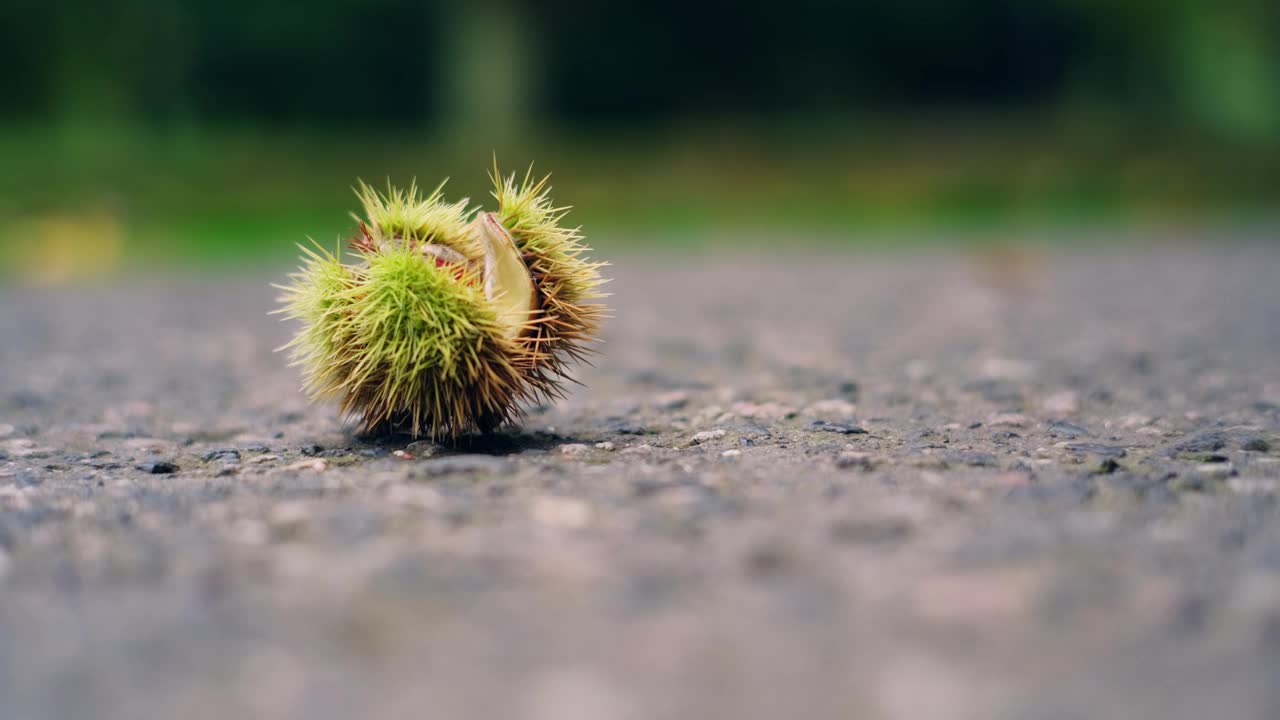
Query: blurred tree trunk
{"type": "Point", "coordinates": [1187, 64]}
{"type": "Point", "coordinates": [89, 89]}
{"type": "Point", "coordinates": [118, 65]}
{"type": "Point", "coordinates": [489, 73]}
{"type": "Point", "coordinates": [1227, 67]}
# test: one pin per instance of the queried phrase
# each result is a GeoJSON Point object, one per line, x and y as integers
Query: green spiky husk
{"type": "Point", "coordinates": [412, 344]}
{"type": "Point", "coordinates": [404, 344]}
{"type": "Point", "coordinates": [568, 283]}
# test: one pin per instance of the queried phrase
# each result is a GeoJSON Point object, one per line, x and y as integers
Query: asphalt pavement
{"type": "Point", "coordinates": [1018, 484]}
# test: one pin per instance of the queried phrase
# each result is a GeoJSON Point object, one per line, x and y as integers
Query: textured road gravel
{"type": "Point", "coordinates": [858, 487]}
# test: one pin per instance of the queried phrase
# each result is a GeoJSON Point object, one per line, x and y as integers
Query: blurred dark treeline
{"type": "Point", "coordinates": [499, 66]}
{"type": "Point", "coordinates": [207, 132]}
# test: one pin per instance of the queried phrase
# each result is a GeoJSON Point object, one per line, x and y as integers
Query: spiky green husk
{"type": "Point", "coordinates": [568, 283]}
{"type": "Point", "coordinates": [401, 215]}
{"type": "Point", "coordinates": [409, 339]}
{"type": "Point", "coordinates": [404, 344]}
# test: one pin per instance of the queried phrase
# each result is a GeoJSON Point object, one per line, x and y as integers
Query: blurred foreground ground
{"type": "Point", "coordinates": [1022, 486]}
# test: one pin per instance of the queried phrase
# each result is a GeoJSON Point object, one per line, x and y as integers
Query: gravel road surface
{"type": "Point", "coordinates": [1012, 486]}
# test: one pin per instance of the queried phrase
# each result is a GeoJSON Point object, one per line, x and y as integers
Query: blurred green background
{"type": "Point", "coordinates": [210, 134]}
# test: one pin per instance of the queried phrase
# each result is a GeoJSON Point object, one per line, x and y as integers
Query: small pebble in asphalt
{"type": "Point", "coordinates": [317, 465]}
{"type": "Point", "coordinates": [224, 454]}
{"type": "Point", "coordinates": [1107, 466]}
{"type": "Point", "coordinates": [822, 426]}
{"type": "Point", "coordinates": [1203, 442]}
{"type": "Point", "coordinates": [1112, 451]}
{"type": "Point", "coordinates": [707, 436]}
{"type": "Point", "coordinates": [159, 467]}
{"type": "Point", "coordinates": [1062, 427]}
{"type": "Point", "coordinates": [1256, 444]}
{"type": "Point", "coordinates": [422, 448]}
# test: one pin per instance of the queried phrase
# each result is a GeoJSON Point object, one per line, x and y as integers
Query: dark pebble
{"type": "Point", "coordinates": [1203, 442]}
{"type": "Point", "coordinates": [746, 441]}
{"type": "Point", "coordinates": [117, 434]}
{"type": "Point", "coordinates": [1108, 466]}
{"type": "Point", "coordinates": [623, 427]}
{"type": "Point", "coordinates": [823, 426]}
{"type": "Point", "coordinates": [1106, 451]}
{"type": "Point", "coordinates": [257, 448]}
{"type": "Point", "coordinates": [849, 390]}
{"type": "Point", "coordinates": [1067, 429]}
{"type": "Point", "coordinates": [1256, 444]}
{"type": "Point", "coordinates": [311, 450]}
{"type": "Point", "coordinates": [160, 467]}
{"type": "Point", "coordinates": [223, 454]}
{"type": "Point", "coordinates": [768, 560]}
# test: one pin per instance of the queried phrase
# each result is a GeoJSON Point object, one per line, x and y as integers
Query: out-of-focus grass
{"type": "Point", "coordinates": [75, 204]}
